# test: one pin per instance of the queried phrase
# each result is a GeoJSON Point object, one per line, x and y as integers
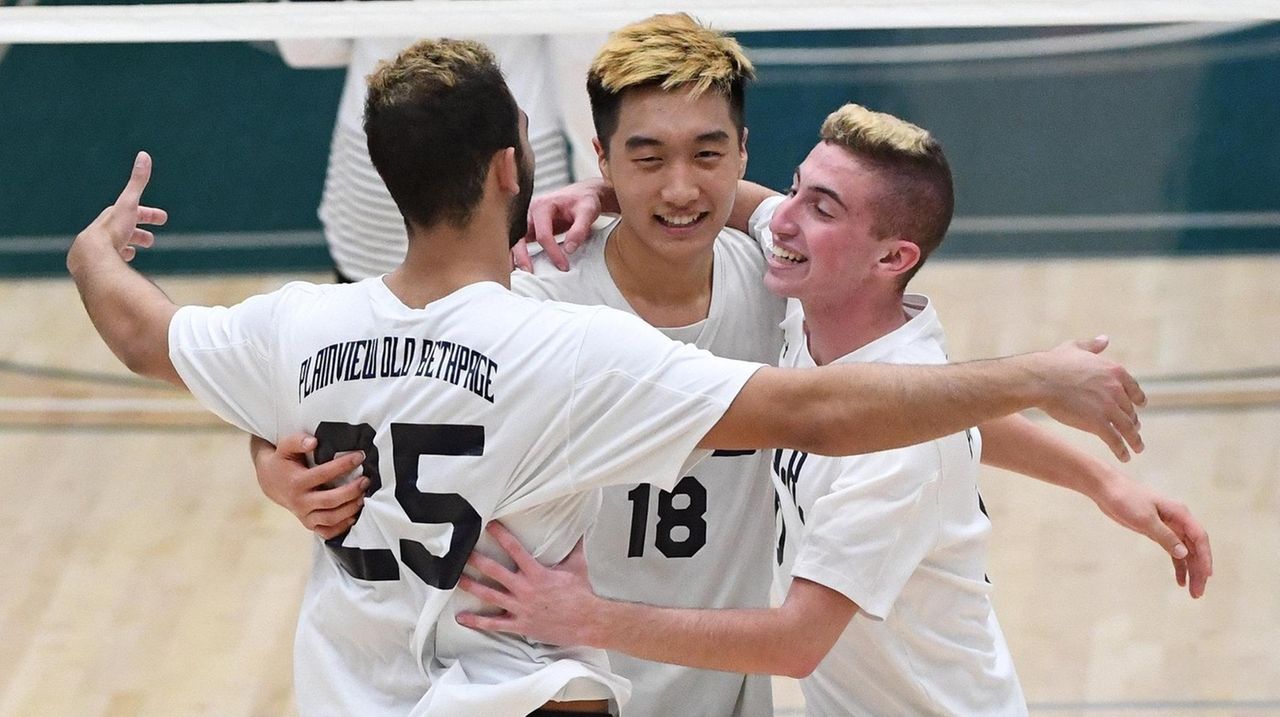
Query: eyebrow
{"type": "Point", "coordinates": [638, 141]}
{"type": "Point", "coordinates": [821, 189]}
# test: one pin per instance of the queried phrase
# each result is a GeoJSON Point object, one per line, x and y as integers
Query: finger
{"type": "Point", "coordinates": [488, 623]}
{"type": "Point", "coordinates": [332, 498]}
{"type": "Point", "coordinates": [546, 236]}
{"type": "Point", "coordinates": [333, 531]}
{"type": "Point", "coordinates": [486, 594]}
{"type": "Point", "coordinates": [296, 444]}
{"type": "Point", "coordinates": [1126, 428]}
{"type": "Point", "coordinates": [335, 516]}
{"type": "Point", "coordinates": [1199, 563]}
{"type": "Point", "coordinates": [1180, 572]}
{"type": "Point", "coordinates": [138, 179]}
{"type": "Point", "coordinates": [152, 215]}
{"type": "Point", "coordinates": [520, 257]}
{"type": "Point", "coordinates": [331, 471]}
{"type": "Point", "coordinates": [492, 569]}
{"type": "Point", "coordinates": [524, 561]}
{"type": "Point", "coordinates": [1133, 389]}
{"type": "Point", "coordinates": [1156, 529]}
{"type": "Point", "coordinates": [127, 253]}
{"type": "Point", "coordinates": [142, 238]}
{"type": "Point", "coordinates": [578, 232]}
{"type": "Point", "coordinates": [1114, 441]}
{"type": "Point", "coordinates": [1095, 345]}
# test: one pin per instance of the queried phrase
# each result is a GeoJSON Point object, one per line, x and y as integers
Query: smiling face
{"type": "Point", "coordinates": [674, 162]}
{"type": "Point", "coordinates": [826, 246]}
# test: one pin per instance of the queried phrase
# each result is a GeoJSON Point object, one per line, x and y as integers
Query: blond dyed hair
{"type": "Point", "coordinates": [671, 52]}
{"type": "Point", "coordinates": [916, 197]}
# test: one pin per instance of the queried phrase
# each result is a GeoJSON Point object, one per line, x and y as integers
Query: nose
{"type": "Point", "coordinates": [782, 223]}
{"type": "Point", "coordinates": [680, 188]}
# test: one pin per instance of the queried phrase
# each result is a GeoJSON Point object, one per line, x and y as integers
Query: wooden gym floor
{"type": "Point", "coordinates": [144, 574]}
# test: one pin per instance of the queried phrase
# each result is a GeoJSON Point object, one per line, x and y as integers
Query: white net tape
{"type": "Point", "coordinates": [397, 18]}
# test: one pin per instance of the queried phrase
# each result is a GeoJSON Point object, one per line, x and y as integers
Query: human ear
{"type": "Point", "coordinates": [899, 257]}
{"type": "Point", "coordinates": [602, 160]}
{"type": "Point", "coordinates": [504, 168]}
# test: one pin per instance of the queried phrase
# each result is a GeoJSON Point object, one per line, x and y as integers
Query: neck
{"type": "Point", "coordinates": [664, 291]}
{"type": "Point", "coordinates": [442, 259]}
{"type": "Point", "coordinates": [838, 328]}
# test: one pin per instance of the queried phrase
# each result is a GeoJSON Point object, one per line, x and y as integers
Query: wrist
{"type": "Point", "coordinates": [594, 629]}
{"type": "Point", "coordinates": [83, 255]}
{"type": "Point", "coordinates": [1032, 387]}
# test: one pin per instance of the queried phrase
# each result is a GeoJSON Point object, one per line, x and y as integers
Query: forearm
{"type": "Point", "coordinates": [863, 408]}
{"type": "Point", "coordinates": [131, 314]}
{"type": "Point", "coordinates": [745, 201]}
{"type": "Point", "coordinates": [1016, 444]}
{"type": "Point", "coordinates": [740, 640]}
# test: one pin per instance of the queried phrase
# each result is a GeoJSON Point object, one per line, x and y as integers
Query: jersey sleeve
{"type": "Point", "coordinates": [223, 355]}
{"type": "Point", "coordinates": [870, 532]}
{"type": "Point", "coordinates": [641, 402]}
{"type": "Point", "coordinates": [758, 224]}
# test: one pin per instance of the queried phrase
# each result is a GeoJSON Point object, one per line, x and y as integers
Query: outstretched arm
{"type": "Point", "coordinates": [862, 408]}
{"type": "Point", "coordinates": [1016, 444]}
{"type": "Point", "coordinates": [557, 605]}
{"type": "Point", "coordinates": [130, 312]}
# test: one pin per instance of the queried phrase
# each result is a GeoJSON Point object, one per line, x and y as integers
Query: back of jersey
{"type": "Point", "coordinates": [480, 406]}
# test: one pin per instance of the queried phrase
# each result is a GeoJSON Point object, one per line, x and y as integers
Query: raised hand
{"type": "Point", "coordinates": [119, 223]}
{"type": "Point", "coordinates": [569, 210]}
{"type": "Point", "coordinates": [1093, 394]}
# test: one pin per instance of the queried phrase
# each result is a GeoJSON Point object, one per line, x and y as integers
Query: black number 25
{"type": "Point", "coordinates": [408, 442]}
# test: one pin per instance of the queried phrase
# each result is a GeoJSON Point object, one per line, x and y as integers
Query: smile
{"type": "Point", "coordinates": [788, 256]}
{"type": "Point", "coordinates": [680, 221]}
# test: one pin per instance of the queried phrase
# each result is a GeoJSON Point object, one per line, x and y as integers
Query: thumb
{"type": "Point", "coordinates": [1169, 540]}
{"type": "Point", "coordinates": [1094, 345]}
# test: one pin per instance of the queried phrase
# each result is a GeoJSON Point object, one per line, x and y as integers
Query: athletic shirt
{"type": "Point", "coordinates": [903, 534]}
{"type": "Point", "coordinates": [362, 226]}
{"type": "Point", "coordinates": [482, 406]}
{"type": "Point", "coordinates": [708, 542]}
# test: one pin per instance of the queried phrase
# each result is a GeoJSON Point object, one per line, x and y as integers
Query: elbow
{"type": "Point", "coordinates": [799, 664]}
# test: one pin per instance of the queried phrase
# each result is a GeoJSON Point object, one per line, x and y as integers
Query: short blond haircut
{"type": "Point", "coordinates": [672, 52]}
{"type": "Point", "coordinates": [916, 197]}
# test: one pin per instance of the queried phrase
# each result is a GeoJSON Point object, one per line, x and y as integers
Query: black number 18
{"type": "Point", "coordinates": [690, 517]}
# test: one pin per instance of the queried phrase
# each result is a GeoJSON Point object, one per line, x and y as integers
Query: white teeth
{"type": "Point", "coordinates": [680, 220]}
{"type": "Point", "coordinates": [787, 255]}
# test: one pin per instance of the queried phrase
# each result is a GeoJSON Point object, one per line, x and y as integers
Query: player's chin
{"type": "Point", "coordinates": [779, 283]}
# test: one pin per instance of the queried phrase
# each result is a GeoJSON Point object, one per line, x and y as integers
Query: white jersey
{"type": "Point", "coordinates": [708, 542]}
{"type": "Point", "coordinates": [903, 534]}
{"type": "Point", "coordinates": [364, 229]}
{"type": "Point", "coordinates": [482, 406]}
